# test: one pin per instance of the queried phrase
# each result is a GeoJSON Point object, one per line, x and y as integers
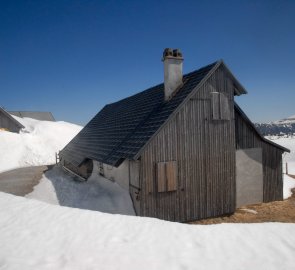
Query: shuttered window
{"type": "Point", "coordinates": [220, 106]}
{"type": "Point", "coordinates": [167, 176]}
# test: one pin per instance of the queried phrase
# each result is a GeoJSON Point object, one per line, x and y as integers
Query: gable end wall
{"type": "Point", "coordinates": [204, 150]}
{"type": "Point", "coordinates": [271, 159]}
{"type": "Point", "coordinates": [6, 122]}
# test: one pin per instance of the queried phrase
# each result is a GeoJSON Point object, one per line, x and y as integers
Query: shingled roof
{"type": "Point", "coordinates": [122, 128]}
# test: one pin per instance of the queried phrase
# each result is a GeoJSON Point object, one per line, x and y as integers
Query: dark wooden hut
{"type": "Point", "coordinates": [183, 149]}
{"type": "Point", "coordinates": [8, 123]}
{"type": "Point", "coordinates": [42, 116]}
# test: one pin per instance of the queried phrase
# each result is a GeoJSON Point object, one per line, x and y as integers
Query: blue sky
{"type": "Point", "coordinates": [73, 57]}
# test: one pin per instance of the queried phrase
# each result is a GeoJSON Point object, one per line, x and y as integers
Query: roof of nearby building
{"type": "Point", "coordinates": [245, 117]}
{"type": "Point", "coordinates": [11, 118]}
{"type": "Point", "coordinates": [42, 116]}
{"type": "Point", "coordinates": [121, 129]}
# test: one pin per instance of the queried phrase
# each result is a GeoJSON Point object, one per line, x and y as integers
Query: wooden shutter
{"type": "Point", "coordinates": [220, 106]}
{"type": "Point", "coordinates": [161, 177]}
{"type": "Point", "coordinates": [167, 176]}
{"type": "Point", "coordinates": [215, 104]}
{"type": "Point", "coordinates": [224, 107]}
{"type": "Point", "coordinates": [171, 175]}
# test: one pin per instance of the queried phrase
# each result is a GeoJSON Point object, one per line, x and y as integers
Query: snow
{"type": "Point", "coordinates": [36, 235]}
{"type": "Point", "coordinates": [291, 117]}
{"type": "Point", "coordinates": [36, 144]}
{"type": "Point", "coordinates": [47, 230]}
{"type": "Point", "coordinates": [288, 120]}
{"type": "Point", "coordinates": [289, 183]}
{"type": "Point", "coordinates": [288, 142]}
{"type": "Point", "coordinates": [97, 193]}
{"type": "Point", "coordinates": [249, 211]}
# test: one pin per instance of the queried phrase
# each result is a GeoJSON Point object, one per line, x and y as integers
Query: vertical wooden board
{"type": "Point", "coordinates": [224, 107]}
{"type": "Point", "coordinates": [161, 177]}
{"type": "Point", "coordinates": [215, 104]}
{"type": "Point", "coordinates": [171, 172]}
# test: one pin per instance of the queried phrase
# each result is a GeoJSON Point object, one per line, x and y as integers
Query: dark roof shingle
{"type": "Point", "coordinates": [122, 128]}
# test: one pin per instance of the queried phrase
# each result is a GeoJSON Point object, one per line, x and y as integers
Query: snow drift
{"type": "Point", "coordinates": [36, 235]}
{"type": "Point", "coordinates": [97, 193]}
{"type": "Point", "coordinates": [34, 145]}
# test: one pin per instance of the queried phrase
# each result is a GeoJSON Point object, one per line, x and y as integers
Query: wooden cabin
{"type": "Point", "coordinates": [8, 123]}
{"type": "Point", "coordinates": [183, 149]}
{"type": "Point", "coordinates": [41, 116]}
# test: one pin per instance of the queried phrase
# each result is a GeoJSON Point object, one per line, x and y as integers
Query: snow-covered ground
{"type": "Point", "coordinates": [288, 142]}
{"type": "Point", "coordinates": [37, 235]}
{"type": "Point", "coordinates": [97, 193]}
{"type": "Point", "coordinates": [34, 145]}
{"type": "Point", "coordinates": [289, 183]}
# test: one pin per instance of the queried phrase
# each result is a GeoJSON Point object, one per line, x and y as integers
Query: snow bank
{"type": "Point", "coordinates": [288, 142]}
{"type": "Point", "coordinates": [34, 145]}
{"type": "Point", "coordinates": [97, 193]}
{"type": "Point", "coordinates": [289, 183]}
{"type": "Point", "coordinates": [36, 235]}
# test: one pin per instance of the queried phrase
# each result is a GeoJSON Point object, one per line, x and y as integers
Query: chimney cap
{"type": "Point", "coordinates": [172, 53]}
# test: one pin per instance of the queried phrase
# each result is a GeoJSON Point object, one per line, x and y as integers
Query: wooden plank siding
{"type": "Point", "coordinates": [246, 137]}
{"type": "Point", "coordinates": [8, 122]}
{"type": "Point", "coordinates": [204, 150]}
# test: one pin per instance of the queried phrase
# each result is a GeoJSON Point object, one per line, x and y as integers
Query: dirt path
{"type": "Point", "coordinates": [21, 181]}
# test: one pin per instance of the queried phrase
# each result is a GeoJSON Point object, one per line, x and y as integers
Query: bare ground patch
{"type": "Point", "coordinates": [21, 181]}
{"type": "Point", "coordinates": [278, 211]}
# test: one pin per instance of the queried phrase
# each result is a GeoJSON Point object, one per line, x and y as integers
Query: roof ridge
{"type": "Point", "coordinates": [121, 128]}
{"type": "Point", "coordinates": [185, 77]}
{"type": "Point", "coordinates": [162, 84]}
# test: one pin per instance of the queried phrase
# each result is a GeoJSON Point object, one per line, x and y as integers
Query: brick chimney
{"type": "Point", "coordinates": [172, 71]}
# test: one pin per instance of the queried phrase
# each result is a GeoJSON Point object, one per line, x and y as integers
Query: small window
{"type": "Point", "coordinates": [220, 106]}
{"type": "Point", "coordinates": [167, 176]}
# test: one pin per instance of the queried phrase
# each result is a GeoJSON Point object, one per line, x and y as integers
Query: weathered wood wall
{"type": "Point", "coordinates": [7, 123]}
{"type": "Point", "coordinates": [204, 150]}
{"type": "Point", "coordinates": [246, 137]}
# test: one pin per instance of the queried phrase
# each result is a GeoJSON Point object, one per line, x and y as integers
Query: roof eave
{"type": "Point", "coordinates": [239, 88]}
{"type": "Point", "coordinates": [237, 107]}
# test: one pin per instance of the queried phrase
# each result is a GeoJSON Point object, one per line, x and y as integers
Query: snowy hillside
{"type": "Point", "coordinates": [36, 235]}
{"type": "Point", "coordinates": [281, 127]}
{"type": "Point", "coordinates": [34, 145]}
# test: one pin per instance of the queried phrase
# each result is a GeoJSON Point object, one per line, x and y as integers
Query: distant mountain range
{"type": "Point", "coordinates": [278, 128]}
